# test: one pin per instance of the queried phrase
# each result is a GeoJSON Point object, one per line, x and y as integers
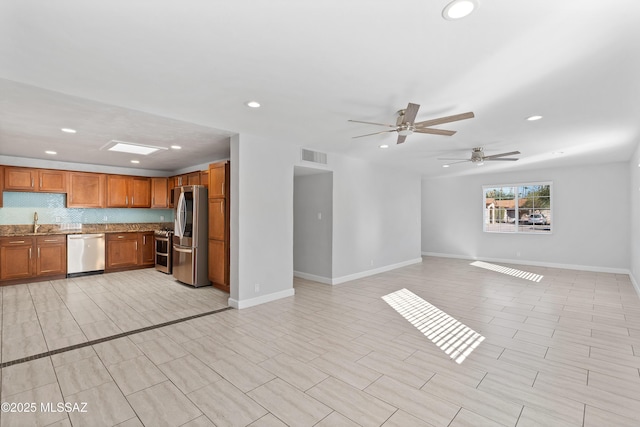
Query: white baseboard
{"type": "Point", "coordinates": [596, 269]}
{"type": "Point", "coordinates": [246, 303]}
{"type": "Point", "coordinates": [348, 278]}
{"type": "Point", "coordinates": [307, 276]}
{"type": "Point", "coordinates": [635, 284]}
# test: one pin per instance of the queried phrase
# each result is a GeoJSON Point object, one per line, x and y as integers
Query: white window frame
{"type": "Point", "coordinates": [516, 223]}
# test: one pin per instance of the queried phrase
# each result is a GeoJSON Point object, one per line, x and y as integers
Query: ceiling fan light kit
{"type": "Point", "coordinates": [406, 124]}
{"type": "Point", "coordinates": [478, 158]}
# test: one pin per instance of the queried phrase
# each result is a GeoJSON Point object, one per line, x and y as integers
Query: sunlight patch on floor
{"type": "Point", "coordinates": [510, 271]}
{"type": "Point", "coordinates": [454, 338]}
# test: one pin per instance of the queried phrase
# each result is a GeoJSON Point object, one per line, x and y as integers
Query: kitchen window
{"type": "Point", "coordinates": [518, 208]}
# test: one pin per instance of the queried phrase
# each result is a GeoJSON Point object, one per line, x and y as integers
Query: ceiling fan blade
{"type": "Point", "coordinates": [461, 161]}
{"type": "Point", "coordinates": [375, 133]}
{"type": "Point", "coordinates": [410, 113]}
{"type": "Point", "coordinates": [401, 138]}
{"type": "Point", "coordinates": [371, 123]}
{"type": "Point", "coordinates": [435, 131]}
{"type": "Point", "coordinates": [512, 153]}
{"type": "Point", "coordinates": [510, 159]}
{"type": "Point", "coordinates": [447, 119]}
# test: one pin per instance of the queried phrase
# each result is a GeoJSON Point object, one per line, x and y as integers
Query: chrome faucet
{"type": "Point", "coordinates": [35, 222]}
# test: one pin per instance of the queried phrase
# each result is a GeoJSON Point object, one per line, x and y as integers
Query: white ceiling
{"type": "Point", "coordinates": [162, 72]}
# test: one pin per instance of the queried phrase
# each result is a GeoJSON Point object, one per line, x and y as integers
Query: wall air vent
{"type": "Point", "coordinates": [313, 156]}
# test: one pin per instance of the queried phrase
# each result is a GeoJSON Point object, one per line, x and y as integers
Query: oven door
{"type": "Point", "coordinates": [163, 254]}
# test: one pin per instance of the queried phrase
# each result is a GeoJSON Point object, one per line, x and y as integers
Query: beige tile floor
{"type": "Point", "coordinates": [564, 351]}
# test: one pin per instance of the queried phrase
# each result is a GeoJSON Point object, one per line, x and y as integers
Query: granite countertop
{"type": "Point", "coordinates": [54, 229]}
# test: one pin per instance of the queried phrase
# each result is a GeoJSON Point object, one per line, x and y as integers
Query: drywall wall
{"type": "Point", "coordinates": [262, 221]}
{"type": "Point", "coordinates": [591, 212]}
{"type": "Point", "coordinates": [313, 225]}
{"type": "Point", "coordinates": [634, 235]}
{"type": "Point", "coordinates": [376, 217]}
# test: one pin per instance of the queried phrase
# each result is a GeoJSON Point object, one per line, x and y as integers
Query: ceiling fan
{"type": "Point", "coordinates": [478, 157]}
{"type": "Point", "coordinates": [406, 124]}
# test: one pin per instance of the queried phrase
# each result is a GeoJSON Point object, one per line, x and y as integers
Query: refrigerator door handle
{"type": "Point", "coordinates": [181, 213]}
{"type": "Point", "coordinates": [186, 251]}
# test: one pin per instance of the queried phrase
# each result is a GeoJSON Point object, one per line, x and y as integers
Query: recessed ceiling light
{"type": "Point", "coordinates": [176, 147]}
{"type": "Point", "coordinates": [458, 9]}
{"type": "Point", "coordinates": [253, 104]}
{"type": "Point", "coordinates": [67, 130]}
{"type": "Point", "coordinates": [445, 166]}
{"type": "Point", "coordinates": [50, 152]}
{"type": "Point", "coordinates": [384, 146]}
{"type": "Point", "coordinates": [131, 148]}
{"type": "Point", "coordinates": [534, 118]}
{"type": "Point", "coordinates": [557, 153]}
{"type": "Point", "coordinates": [135, 161]}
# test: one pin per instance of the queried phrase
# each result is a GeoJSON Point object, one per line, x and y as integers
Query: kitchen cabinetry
{"type": "Point", "coordinates": [128, 192]}
{"type": "Point", "coordinates": [24, 257]}
{"type": "Point", "coordinates": [86, 190]}
{"type": "Point", "coordinates": [51, 255]}
{"type": "Point", "coordinates": [1, 183]}
{"type": "Point", "coordinates": [16, 258]}
{"type": "Point", "coordinates": [38, 180]}
{"type": "Point", "coordinates": [159, 193]}
{"type": "Point", "coordinates": [126, 251]}
{"type": "Point", "coordinates": [147, 249]}
{"type": "Point", "coordinates": [121, 251]}
{"type": "Point", "coordinates": [219, 214]}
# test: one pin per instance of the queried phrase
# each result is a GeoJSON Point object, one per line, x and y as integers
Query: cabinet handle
{"type": "Point", "coordinates": [29, 253]}
{"type": "Point", "coordinates": [222, 188]}
{"type": "Point", "coordinates": [31, 182]}
{"type": "Point", "coordinates": [40, 182]}
{"type": "Point", "coordinates": [126, 200]}
{"type": "Point", "coordinates": [144, 239]}
{"type": "Point", "coordinates": [132, 202]}
{"type": "Point", "coordinates": [120, 237]}
{"type": "Point", "coordinates": [38, 251]}
{"type": "Point", "coordinates": [50, 240]}
{"type": "Point", "coordinates": [17, 241]}
{"type": "Point", "coordinates": [136, 245]}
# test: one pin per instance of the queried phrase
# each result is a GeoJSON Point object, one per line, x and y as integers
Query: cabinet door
{"type": "Point", "coordinates": [52, 181]}
{"type": "Point", "coordinates": [85, 190]}
{"type": "Point", "coordinates": [193, 178]}
{"type": "Point", "coordinates": [217, 180]}
{"type": "Point", "coordinates": [140, 193]}
{"type": "Point", "coordinates": [159, 193]}
{"type": "Point", "coordinates": [147, 248]}
{"type": "Point", "coordinates": [217, 263]}
{"type": "Point", "coordinates": [20, 179]}
{"type": "Point", "coordinates": [117, 191]}
{"type": "Point", "coordinates": [16, 258]}
{"type": "Point", "coordinates": [51, 257]}
{"type": "Point", "coordinates": [122, 250]}
{"type": "Point", "coordinates": [217, 219]}
{"type": "Point", "coordinates": [204, 178]}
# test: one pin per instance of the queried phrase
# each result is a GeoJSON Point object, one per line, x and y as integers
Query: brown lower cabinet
{"type": "Point", "coordinates": [28, 257]}
{"type": "Point", "coordinates": [126, 251]}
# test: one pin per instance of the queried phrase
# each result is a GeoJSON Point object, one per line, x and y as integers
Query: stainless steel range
{"type": "Point", "coordinates": [163, 250]}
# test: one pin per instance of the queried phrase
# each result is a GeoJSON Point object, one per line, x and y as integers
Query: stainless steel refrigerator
{"type": "Point", "coordinates": [190, 235]}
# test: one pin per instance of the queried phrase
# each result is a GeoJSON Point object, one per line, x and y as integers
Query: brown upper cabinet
{"type": "Point", "coordinates": [191, 178]}
{"type": "Point", "coordinates": [86, 190]}
{"type": "Point", "coordinates": [159, 193]}
{"type": "Point", "coordinates": [218, 177]}
{"type": "Point", "coordinates": [128, 192]}
{"type": "Point", "coordinates": [40, 180]}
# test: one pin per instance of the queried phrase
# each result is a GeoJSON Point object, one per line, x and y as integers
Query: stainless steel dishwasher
{"type": "Point", "coordinates": [85, 254]}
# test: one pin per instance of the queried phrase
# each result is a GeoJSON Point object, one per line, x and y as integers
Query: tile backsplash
{"type": "Point", "coordinates": [18, 208]}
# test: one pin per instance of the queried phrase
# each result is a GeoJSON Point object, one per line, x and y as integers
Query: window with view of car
{"type": "Point", "coordinates": [521, 208]}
